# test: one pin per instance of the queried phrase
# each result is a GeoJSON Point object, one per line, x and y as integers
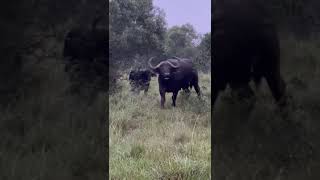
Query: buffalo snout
{"type": "Point", "coordinates": [166, 76]}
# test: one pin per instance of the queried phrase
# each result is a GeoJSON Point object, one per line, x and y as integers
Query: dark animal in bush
{"type": "Point", "coordinates": [86, 44]}
{"type": "Point", "coordinates": [174, 75]}
{"type": "Point", "coordinates": [245, 46]}
{"type": "Point", "coordinates": [85, 51]}
{"type": "Point", "coordinates": [140, 80]}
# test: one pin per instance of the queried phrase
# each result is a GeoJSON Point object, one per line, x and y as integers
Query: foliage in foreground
{"type": "Point", "coordinates": [147, 142]}
{"type": "Point", "coordinates": [51, 134]}
{"type": "Point", "coordinates": [254, 139]}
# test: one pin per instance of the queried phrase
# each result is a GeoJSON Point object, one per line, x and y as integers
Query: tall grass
{"type": "Point", "coordinates": [48, 133]}
{"type": "Point", "coordinates": [147, 142]}
{"type": "Point", "coordinates": [255, 139]}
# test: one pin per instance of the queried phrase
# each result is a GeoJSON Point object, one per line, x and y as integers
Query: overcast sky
{"type": "Point", "coordinates": [195, 12]}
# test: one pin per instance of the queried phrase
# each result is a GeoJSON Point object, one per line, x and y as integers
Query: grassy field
{"type": "Point", "coordinates": [147, 142]}
{"type": "Point", "coordinates": [257, 140]}
{"type": "Point", "coordinates": [48, 133]}
{"type": "Point", "coordinates": [254, 139]}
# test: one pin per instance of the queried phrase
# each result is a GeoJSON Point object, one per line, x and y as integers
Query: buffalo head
{"type": "Point", "coordinates": [174, 75]}
{"type": "Point", "coordinates": [246, 46]}
{"type": "Point", "coordinates": [140, 80]}
{"type": "Point", "coordinates": [86, 43]}
{"type": "Point", "coordinates": [85, 52]}
{"type": "Point", "coordinates": [165, 69]}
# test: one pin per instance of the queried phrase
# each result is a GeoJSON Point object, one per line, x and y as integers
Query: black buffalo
{"type": "Point", "coordinates": [140, 79]}
{"type": "Point", "coordinates": [86, 44]}
{"type": "Point", "coordinates": [174, 75]}
{"type": "Point", "coordinates": [85, 51]}
{"type": "Point", "coordinates": [245, 47]}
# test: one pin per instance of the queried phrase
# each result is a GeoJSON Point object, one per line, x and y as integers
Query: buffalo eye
{"type": "Point", "coordinates": [173, 70]}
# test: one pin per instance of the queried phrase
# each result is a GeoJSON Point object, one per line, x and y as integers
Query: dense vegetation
{"type": "Point", "coordinates": [253, 138]}
{"type": "Point", "coordinates": [46, 132]}
{"type": "Point", "coordinates": [147, 142]}
{"type": "Point", "coordinates": [138, 31]}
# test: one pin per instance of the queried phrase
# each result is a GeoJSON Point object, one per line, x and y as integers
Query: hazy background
{"type": "Point", "coordinates": [179, 12]}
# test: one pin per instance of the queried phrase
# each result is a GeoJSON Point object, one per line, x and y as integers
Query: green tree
{"type": "Point", "coordinates": [203, 60]}
{"type": "Point", "coordinates": [136, 28]}
{"type": "Point", "coordinates": [180, 41]}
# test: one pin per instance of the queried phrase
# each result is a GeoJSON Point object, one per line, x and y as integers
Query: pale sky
{"type": "Point", "coordinates": [195, 12]}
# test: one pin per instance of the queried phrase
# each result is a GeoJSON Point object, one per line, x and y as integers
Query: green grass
{"type": "Point", "coordinates": [147, 142]}
{"type": "Point", "coordinates": [257, 140]}
{"type": "Point", "coordinates": [49, 133]}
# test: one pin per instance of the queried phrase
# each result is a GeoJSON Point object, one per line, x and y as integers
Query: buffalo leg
{"type": "Point", "coordinates": [277, 86]}
{"type": "Point", "coordinates": [133, 86]}
{"type": "Point", "coordinates": [174, 98]}
{"type": "Point", "coordinates": [146, 89]}
{"type": "Point", "coordinates": [163, 98]}
{"type": "Point", "coordinates": [197, 88]}
{"type": "Point", "coordinates": [186, 90]}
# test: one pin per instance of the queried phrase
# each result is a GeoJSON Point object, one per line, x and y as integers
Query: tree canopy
{"type": "Point", "coordinates": [136, 28]}
{"type": "Point", "coordinates": [180, 41]}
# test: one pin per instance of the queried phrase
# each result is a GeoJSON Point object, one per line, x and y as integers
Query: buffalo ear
{"type": "Point", "coordinates": [155, 71]}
